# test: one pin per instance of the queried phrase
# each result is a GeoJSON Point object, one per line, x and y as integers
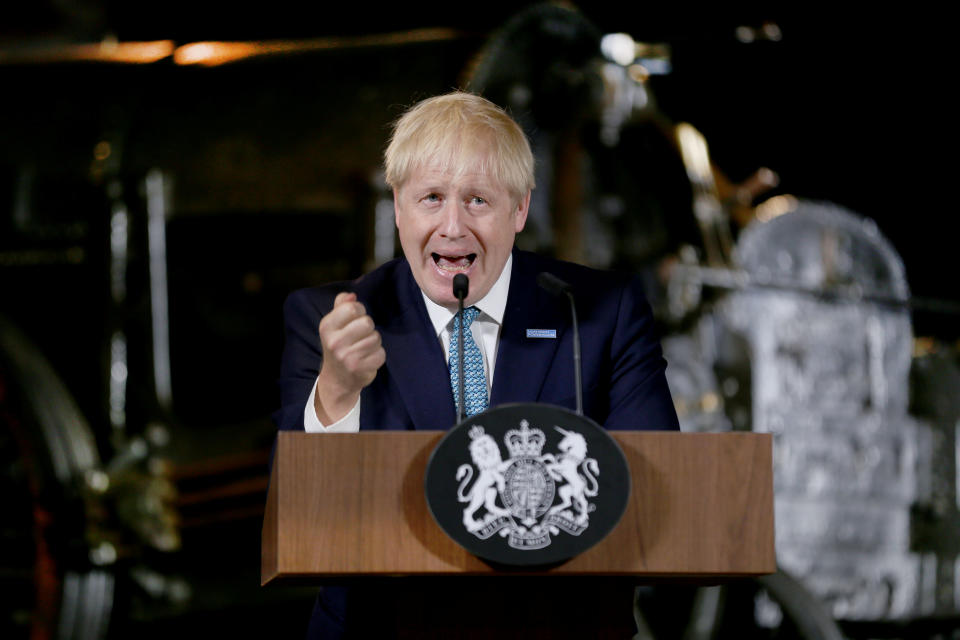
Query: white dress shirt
{"type": "Point", "coordinates": [486, 333]}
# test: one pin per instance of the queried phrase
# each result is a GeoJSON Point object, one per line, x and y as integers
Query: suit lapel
{"type": "Point", "coordinates": [415, 359]}
{"type": "Point", "coordinates": [522, 362]}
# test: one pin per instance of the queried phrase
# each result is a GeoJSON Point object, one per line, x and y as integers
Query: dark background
{"type": "Point", "coordinates": [273, 164]}
{"type": "Point", "coordinates": [845, 108]}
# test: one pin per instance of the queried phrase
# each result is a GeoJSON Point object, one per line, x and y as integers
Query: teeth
{"type": "Point", "coordinates": [454, 263]}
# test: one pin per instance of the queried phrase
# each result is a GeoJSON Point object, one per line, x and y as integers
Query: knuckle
{"type": "Point", "coordinates": [352, 363]}
{"type": "Point", "coordinates": [333, 341]}
{"type": "Point", "coordinates": [341, 350]}
{"type": "Point", "coordinates": [324, 326]}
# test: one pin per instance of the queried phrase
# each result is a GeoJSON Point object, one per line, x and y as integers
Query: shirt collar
{"type": "Point", "coordinates": [493, 305]}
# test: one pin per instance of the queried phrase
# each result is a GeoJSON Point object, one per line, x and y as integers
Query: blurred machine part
{"type": "Point", "coordinates": [830, 370]}
{"type": "Point", "coordinates": [813, 343]}
{"type": "Point", "coordinates": [56, 573]}
{"type": "Point", "coordinates": [74, 525]}
{"type": "Point", "coordinates": [610, 185]}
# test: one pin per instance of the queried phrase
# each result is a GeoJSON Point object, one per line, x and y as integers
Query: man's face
{"type": "Point", "coordinates": [452, 224]}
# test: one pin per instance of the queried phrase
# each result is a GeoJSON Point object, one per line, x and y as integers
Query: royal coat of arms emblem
{"type": "Point", "coordinates": [531, 495]}
{"type": "Point", "coordinates": [527, 484]}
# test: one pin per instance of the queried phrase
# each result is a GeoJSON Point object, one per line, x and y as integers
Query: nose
{"type": "Point", "coordinates": [451, 224]}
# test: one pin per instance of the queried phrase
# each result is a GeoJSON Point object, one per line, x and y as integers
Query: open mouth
{"type": "Point", "coordinates": [454, 263]}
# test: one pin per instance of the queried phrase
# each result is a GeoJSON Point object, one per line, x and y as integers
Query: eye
{"type": "Point", "coordinates": [431, 197]}
{"type": "Point", "coordinates": [477, 200]}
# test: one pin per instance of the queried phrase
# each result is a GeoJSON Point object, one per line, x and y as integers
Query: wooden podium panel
{"type": "Point", "coordinates": [350, 505]}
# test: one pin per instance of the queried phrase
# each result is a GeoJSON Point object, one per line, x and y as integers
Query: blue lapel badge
{"type": "Point", "coordinates": [542, 333]}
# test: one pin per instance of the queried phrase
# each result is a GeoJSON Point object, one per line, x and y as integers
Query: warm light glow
{"type": "Point", "coordinates": [638, 73]}
{"type": "Point", "coordinates": [102, 150]}
{"type": "Point", "coordinates": [107, 51]}
{"type": "Point", "coordinates": [139, 52]}
{"type": "Point", "coordinates": [775, 206]}
{"type": "Point", "coordinates": [211, 54]}
{"type": "Point", "coordinates": [772, 31]}
{"type": "Point", "coordinates": [207, 53]}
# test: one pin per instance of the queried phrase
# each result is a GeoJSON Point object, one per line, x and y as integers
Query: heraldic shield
{"type": "Point", "coordinates": [527, 484]}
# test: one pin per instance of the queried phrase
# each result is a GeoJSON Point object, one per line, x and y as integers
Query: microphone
{"type": "Point", "coordinates": [461, 286]}
{"type": "Point", "coordinates": [557, 287]}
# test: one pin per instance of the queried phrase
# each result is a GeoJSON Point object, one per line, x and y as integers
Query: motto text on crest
{"type": "Point", "coordinates": [529, 496]}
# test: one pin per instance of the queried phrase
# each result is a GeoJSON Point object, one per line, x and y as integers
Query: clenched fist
{"type": "Point", "coordinates": [352, 354]}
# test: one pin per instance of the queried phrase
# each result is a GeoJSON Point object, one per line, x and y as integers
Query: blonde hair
{"type": "Point", "coordinates": [460, 132]}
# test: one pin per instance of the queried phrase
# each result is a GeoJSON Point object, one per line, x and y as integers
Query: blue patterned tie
{"type": "Point", "coordinates": [474, 380]}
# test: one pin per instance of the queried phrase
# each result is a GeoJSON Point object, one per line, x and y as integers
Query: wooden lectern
{"type": "Point", "coordinates": [353, 505]}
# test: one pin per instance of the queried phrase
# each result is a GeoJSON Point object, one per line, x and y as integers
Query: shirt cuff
{"type": "Point", "coordinates": [349, 423]}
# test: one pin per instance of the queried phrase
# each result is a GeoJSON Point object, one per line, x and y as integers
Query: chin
{"type": "Point", "coordinates": [447, 300]}
{"type": "Point", "coordinates": [442, 285]}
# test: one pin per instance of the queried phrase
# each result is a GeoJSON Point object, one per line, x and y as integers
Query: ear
{"type": "Point", "coordinates": [523, 208]}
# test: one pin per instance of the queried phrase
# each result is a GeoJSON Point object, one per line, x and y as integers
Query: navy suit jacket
{"type": "Point", "coordinates": [622, 363]}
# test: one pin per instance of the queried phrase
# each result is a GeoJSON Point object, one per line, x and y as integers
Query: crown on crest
{"type": "Point", "coordinates": [475, 432]}
{"type": "Point", "coordinates": [524, 442]}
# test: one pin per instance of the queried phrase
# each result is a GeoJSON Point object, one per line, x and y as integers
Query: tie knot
{"type": "Point", "coordinates": [469, 315]}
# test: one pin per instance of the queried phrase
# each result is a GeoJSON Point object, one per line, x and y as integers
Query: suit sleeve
{"type": "Point", "coordinates": [639, 395]}
{"type": "Point", "coordinates": [302, 355]}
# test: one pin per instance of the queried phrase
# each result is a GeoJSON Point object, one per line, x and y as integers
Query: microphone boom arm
{"type": "Point", "coordinates": [556, 286]}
